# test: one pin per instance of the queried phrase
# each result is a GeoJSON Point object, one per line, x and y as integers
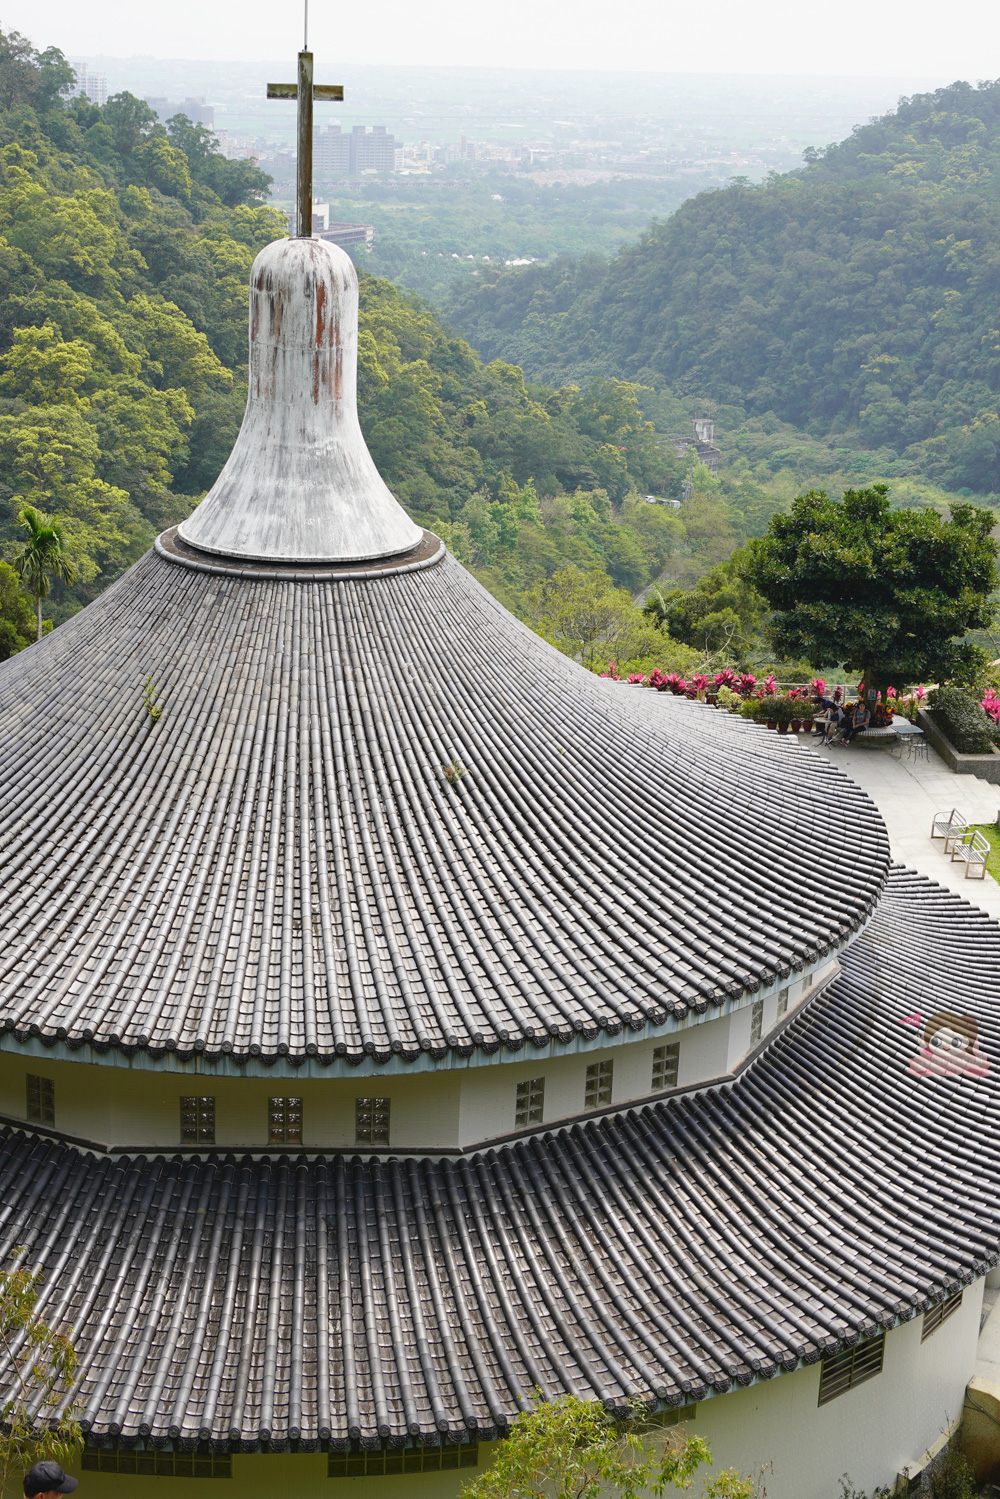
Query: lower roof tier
{"type": "Point", "coordinates": [372, 818]}
{"type": "Point", "coordinates": [848, 1179]}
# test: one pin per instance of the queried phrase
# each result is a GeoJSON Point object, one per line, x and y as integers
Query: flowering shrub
{"type": "Point", "coordinates": [699, 682]}
{"type": "Point", "coordinates": [770, 686]}
{"type": "Point", "coordinates": [747, 683]}
{"type": "Point", "coordinates": [991, 705]}
{"type": "Point", "coordinates": [818, 685]}
{"type": "Point", "coordinates": [726, 678]}
{"type": "Point", "coordinates": [636, 678]}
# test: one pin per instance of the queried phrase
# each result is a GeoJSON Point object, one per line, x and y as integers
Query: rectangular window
{"type": "Point", "coordinates": [41, 1095]}
{"type": "Point", "coordinates": [853, 1366]}
{"type": "Point", "coordinates": [529, 1102]}
{"type": "Point", "coordinates": [385, 1462]}
{"type": "Point", "coordinates": [157, 1464]}
{"type": "Point", "coordinates": [756, 1021]}
{"type": "Point", "coordinates": [197, 1121]}
{"type": "Point", "coordinates": [284, 1121]}
{"type": "Point", "coordinates": [940, 1313]}
{"type": "Point", "coordinates": [782, 1003]}
{"type": "Point", "coordinates": [598, 1087]}
{"type": "Point", "coordinates": [371, 1121]}
{"type": "Point", "coordinates": [666, 1060]}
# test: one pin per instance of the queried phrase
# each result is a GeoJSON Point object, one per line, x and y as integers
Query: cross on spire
{"type": "Point", "coordinates": [305, 91]}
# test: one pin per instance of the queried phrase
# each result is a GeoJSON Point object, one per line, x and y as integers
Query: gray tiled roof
{"type": "Point", "coordinates": [278, 865]}
{"type": "Point", "coordinates": [668, 1251]}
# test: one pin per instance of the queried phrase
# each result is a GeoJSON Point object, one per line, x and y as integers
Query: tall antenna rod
{"type": "Point", "coordinates": [305, 28]}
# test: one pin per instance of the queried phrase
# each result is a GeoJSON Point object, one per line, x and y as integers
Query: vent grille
{"type": "Point", "coordinates": [852, 1367]}
{"type": "Point", "coordinates": [940, 1313]}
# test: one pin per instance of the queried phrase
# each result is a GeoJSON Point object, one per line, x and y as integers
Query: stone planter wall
{"type": "Point", "coordinates": [987, 767]}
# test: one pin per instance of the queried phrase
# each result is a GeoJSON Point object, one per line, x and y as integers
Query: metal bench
{"type": "Point", "coordinates": [971, 849]}
{"type": "Point", "coordinates": [949, 826]}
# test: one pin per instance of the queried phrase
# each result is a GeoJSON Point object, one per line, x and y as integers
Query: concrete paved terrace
{"type": "Point", "coordinates": [909, 793]}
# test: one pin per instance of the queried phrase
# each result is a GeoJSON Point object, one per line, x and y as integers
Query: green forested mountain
{"type": "Point", "coordinates": [857, 299]}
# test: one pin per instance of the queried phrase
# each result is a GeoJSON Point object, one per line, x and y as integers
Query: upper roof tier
{"type": "Point", "coordinates": [301, 485]}
{"type": "Point", "coordinates": [279, 865]}
{"type": "Point", "coordinates": [377, 820]}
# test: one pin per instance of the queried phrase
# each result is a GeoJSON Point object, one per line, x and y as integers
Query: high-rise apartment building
{"type": "Point", "coordinates": [93, 85]}
{"type": "Point", "coordinates": [338, 155]}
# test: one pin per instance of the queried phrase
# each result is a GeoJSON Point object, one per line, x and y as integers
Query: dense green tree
{"type": "Point", "coordinates": [723, 613]}
{"type": "Point", "coordinates": [890, 594]}
{"type": "Point", "coordinates": [17, 621]}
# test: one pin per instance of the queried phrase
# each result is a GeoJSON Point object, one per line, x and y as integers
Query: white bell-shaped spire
{"type": "Point", "coordinates": [300, 484]}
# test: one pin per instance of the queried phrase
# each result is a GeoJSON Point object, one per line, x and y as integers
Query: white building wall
{"type": "Point", "coordinates": [870, 1432]}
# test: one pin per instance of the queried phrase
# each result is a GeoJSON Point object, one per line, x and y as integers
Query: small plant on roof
{"type": "Point", "coordinates": [453, 772]}
{"type": "Point", "coordinates": [149, 699]}
{"type": "Point", "coordinates": [747, 683]}
{"type": "Point", "coordinates": [636, 678]}
{"type": "Point", "coordinates": [699, 682]}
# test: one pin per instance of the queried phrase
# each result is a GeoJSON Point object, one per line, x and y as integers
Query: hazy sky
{"type": "Point", "coordinates": [874, 37]}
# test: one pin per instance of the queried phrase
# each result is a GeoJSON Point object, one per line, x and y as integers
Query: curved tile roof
{"type": "Point", "coordinates": [667, 1252]}
{"type": "Point", "coordinates": [279, 866]}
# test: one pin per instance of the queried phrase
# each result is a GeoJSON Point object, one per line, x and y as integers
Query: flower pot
{"type": "Point", "coordinates": [796, 725]}
{"type": "Point", "coordinates": [772, 725]}
{"type": "Point", "coordinates": [783, 728]}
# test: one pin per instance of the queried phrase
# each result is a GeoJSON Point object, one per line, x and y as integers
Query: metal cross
{"type": "Point", "coordinates": [305, 91]}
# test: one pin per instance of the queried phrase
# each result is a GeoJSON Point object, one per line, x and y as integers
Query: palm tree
{"type": "Point", "coordinates": [42, 557]}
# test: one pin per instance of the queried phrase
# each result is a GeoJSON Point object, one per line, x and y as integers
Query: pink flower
{"type": "Point", "coordinates": [818, 685]}
{"type": "Point", "coordinates": [890, 692]}
{"type": "Point", "coordinates": [919, 694]}
{"type": "Point", "coordinates": [747, 683]}
{"type": "Point", "coordinates": [699, 682]}
{"type": "Point", "coordinates": [636, 678]}
{"type": "Point", "coordinates": [726, 678]}
{"type": "Point", "coordinates": [770, 685]}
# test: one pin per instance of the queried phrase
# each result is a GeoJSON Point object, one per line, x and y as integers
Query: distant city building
{"type": "Point", "coordinates": [93, 86]}
{"type": "Point", "coordinates": [338, 155]}
{"type": "Point", "coordinates": [197, 111]}
{"type": "Point", "coordinates": [345, 235]}
{"type": "Point", "coordinates": [236, 147]}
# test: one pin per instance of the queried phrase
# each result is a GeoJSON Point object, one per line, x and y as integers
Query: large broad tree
{"type": "Point", "coordinates": [890, 594]}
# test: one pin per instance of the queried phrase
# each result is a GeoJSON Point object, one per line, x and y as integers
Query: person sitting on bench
{"type": "Point", "coordinates": [858, 722]}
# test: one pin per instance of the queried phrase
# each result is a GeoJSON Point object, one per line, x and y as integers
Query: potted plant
{"type": "Point", "coordinates": [784, 708]}
{"type": "Point", "coordinates": [768, 711]}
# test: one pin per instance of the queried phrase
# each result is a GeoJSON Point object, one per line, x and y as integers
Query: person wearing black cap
{"type": "Point", "coordinates": [45, 1480]}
